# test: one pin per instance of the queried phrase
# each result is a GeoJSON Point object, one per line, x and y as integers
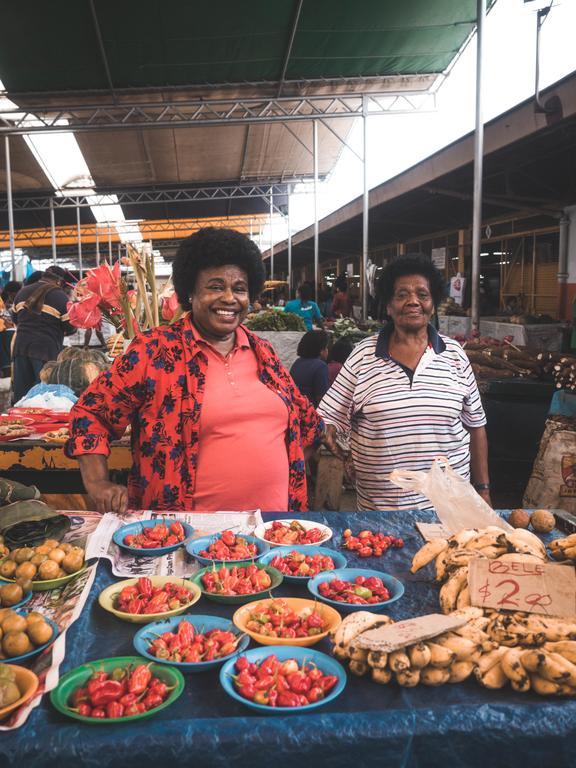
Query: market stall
{"type": "Point", "coordinates": [369, 724]}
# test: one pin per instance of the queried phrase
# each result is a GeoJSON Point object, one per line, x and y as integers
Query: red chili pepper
{"type": "Point", "coordinates": [178, 530]}
{"type": "Point", "coordinates": [328, 682]}
{"type": "Point", "coordinates": [247, 691]}
{"type": "Point", "coordinates": [288, 699]}
{"type": "Point", "coordinates": [170, 541]}
{"type": "Point", "coordinates": [159, 687]}
{"type": "Point", "coordinates": [261, 697]}
{"type": "Point", "coordinates": [272, 697]}
{"type": "Point", "coordinates": [264, 683]}
{"type": "Point", "coordinates": [315, 694]}
{"type": "Point", "coordinates": [128, 699]}
{"type": "Point", "coordinates": [152, 700]}
{"type": "Point", "coordinates": [158, 533]}
{"type": "Point", "coordinates": [158, 604]}
{"type": "Point", "coordinates": [110, 690]}
{"type": "Point", "coordinates": [98, 712]}
{"type": "Point", "coordinates": [114, 709]}
{"type": "Point", "coordinates": [315, 620]}
{"type": "Point", "coordinates": [79, 696]}
{"type": "Point", "coordinates": [299, 682]}
{"type": "Point", "coordinates": [85, 710]}
{"type": "Point", "coordinates": [139, 679]}
{"type": "Point", "coordinates": [135, 606]}
{"type": "Point", "coordinates": [186, 632]}
{"type": "Point", "coordinates": [145, 586]}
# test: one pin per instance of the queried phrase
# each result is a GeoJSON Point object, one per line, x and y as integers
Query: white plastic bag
{"type": "Point", "coordinates": [456, 502]}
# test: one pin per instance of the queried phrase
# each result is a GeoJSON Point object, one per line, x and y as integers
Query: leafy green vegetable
{"type": "Point", "coordinates": [270, 320]}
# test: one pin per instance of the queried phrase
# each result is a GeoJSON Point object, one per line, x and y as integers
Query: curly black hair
{"type": "Point", "coordinates": [211, 247]}
{"type": "Point", "coordinates": [412, 264]}
{"type": "Point", "coordinates": [312, 343]}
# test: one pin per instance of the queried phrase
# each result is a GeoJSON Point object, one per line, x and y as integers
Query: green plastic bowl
{"type": "Point", "coordinates": [274, 574]}
{"type": "Point", "coordinates": [78, 677]}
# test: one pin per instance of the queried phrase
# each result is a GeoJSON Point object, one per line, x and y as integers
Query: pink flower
{"type": "Point", "coordinates": [85, 312]}
{"type": "Point", "coordinates": [104, 281]}
{"type": "Point", "coordinates": [169, 307]}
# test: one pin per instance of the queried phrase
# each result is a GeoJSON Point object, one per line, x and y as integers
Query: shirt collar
{"type": "Point", "coordinates": [241, 336]}
{"type": "Point", "coordinates": [383, 342]}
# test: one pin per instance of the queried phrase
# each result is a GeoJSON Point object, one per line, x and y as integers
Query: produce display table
{"type": "Point", "coordinates": [43, 464]}
{"type": "Point", "coordinates": [368, 725]}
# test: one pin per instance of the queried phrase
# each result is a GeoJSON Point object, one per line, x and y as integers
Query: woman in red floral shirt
{"type": "Point", "coordinates": [217, 423]}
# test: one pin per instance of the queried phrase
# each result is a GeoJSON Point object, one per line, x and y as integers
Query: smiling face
{"type": "Point", "coordinates": [411, 306]}
{"type": "Point", "coordinates": [219, 301]}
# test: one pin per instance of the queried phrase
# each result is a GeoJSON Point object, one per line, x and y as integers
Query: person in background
{"type": "Point", "coordinates": [309, 370]}
{"type": "Point", "coordinates": [342, 303]}
{"type": "Point", "coordinates": [41, 316]}
{"type": "Point", "coordinates": [337, 356]}
{"type": "Point", "coordinates": [407, 396]}
{"type": "Point", "coordinates": [213, 410]}
{"type": "Point", "coordinates": [305, 308]}
{"type": "Point", "coordinates": [7, 324]}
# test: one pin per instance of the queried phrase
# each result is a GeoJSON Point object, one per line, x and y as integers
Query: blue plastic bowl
{"type": "Point", "coordinates": [326, 664]}
{"type": "Point", "coordinates": [26, 596]}
{"type": "Point", "coordinates": [134, 528]}
{"type": "Point", "coordinates": [37, 650]}
{"type": "Point", "coordinates": [194, 547]}
{"type": "Point", "coordinates": [338, 558]}
{"type": "Point", "coordinates": [144, 636]}
{"type": "Point", "coordinates": [395, 587]}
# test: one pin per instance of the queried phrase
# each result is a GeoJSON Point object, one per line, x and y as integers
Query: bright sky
{"type": "Point", "coordinates": [396, 142]}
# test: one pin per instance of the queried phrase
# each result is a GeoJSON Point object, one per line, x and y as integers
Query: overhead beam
{"type": "Point", "coordinates": [207, 112]}
{"type": "Point", "coordinates": [151, 196]}
{"type": "Point", "coordinates": [288, 53]}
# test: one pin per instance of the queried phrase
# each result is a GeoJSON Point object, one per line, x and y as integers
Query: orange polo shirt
{"type": "Point", "coordinates": [243, 459]}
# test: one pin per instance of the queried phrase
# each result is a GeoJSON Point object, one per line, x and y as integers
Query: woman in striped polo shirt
{"type": "Point", "coordinates": [407, 395]}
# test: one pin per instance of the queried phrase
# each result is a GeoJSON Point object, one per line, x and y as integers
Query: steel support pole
{"type": "Point", "coordinates": [110, 259]}
{"type": "Point", "coordinates": [10, 206]}
{"type": "Point", "coordinates": [316, 254]}
{"type": "Point", "coordinates": [271, 236]}
{"type": "Point", "coordinates": [80, 265]}
{"type": "Point", "coordinates": [53, 231]}
{"type": "Point", "coordinates": [97, 246]}
{"type": "Point", "coordinates": [365, 211]}
{"type": "Point", "coordinates": [289, 250]}
{"type": "Point", "coordinates": [478, 158]}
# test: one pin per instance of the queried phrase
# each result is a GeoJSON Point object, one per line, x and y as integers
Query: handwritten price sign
{"type": "Point", "coordinates": [520, 586]}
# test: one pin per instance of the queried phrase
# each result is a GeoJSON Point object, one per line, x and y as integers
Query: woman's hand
{"type": "Point", "coordinates": [108, 496]}
{"type": "Point", "coordinates": [330, 441]}
{"type": "Point", "coordinates": [486, 496]}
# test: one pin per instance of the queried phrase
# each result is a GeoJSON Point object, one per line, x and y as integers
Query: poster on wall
{"type": "Point", "coordinates": [438, 256]}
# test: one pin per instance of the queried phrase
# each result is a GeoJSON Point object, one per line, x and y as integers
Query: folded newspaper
{"type": "Point", "coordinates": [176, 563]}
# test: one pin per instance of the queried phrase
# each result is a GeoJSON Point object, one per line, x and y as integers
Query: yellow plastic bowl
{"type": "Point", "coordinates": [27, 683]}
{"type": "Point", "coordinates": [297, 604]}
{"type": "Point", "coordinates": [108, 596]}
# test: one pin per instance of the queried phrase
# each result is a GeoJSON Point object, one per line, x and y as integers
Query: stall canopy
{"type": "Point", "coordinates": [173, 94]}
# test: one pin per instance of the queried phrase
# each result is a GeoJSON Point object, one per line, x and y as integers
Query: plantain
{"type": "Point", "coordinates": [377, 659]}
{"type": "Point", "coordinates": [398, 661]}
{"type": "Point", "coordinates": [488, 660]}
{"type": "Point", "coordinates": [408, 678]}
{"type": "Point", "coordinates": [513, 669]}
{"type": "Point", "coordinates": [427, 553]}
{"type": "Point", "coordinates": [484, 538]}
{"type": "Point", "coordinates": [356, 623]}
{"type": "Point", "coordinates": [419, 655]}
{"type": "Point", "coordinates": [523, 686]}
{"type": "Point", "coordinates": [462, 538]}
{"type": "Point", "coordinates": [357, 654]}
{"type": "Point", "coordinates": [566, 648]}
{"type": "Point", "coordinates": [450, 590]}
{"type": "Point", "coordinates": [570, 553]}
{"type": "Point", "coordinates": [526, 543]}
{"type": "Point", "coordinates": [544, 687]}
{"type": "Point", "coordinates": [494, 678]}
{"type": "Point", "coordinates": [381, 676]}
{"type": "Point", "coordinates": [462, 647]}
{"type": "Point", "coordinates": [359, 668]}
{"type": "Point", "coordinates": [463, 599]}
{"type": "Point", "coordinates": [434, 676]}
{"type": "Point", "coordinates": [460, 671]}
{"type": "Point", "coordinates": [440, 565]}
{"type": "Point", "coordinates": [440, 657]}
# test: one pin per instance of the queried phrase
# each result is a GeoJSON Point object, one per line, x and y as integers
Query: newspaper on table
{"type": "Point", "coordinates": [176, 563]}
{"type": "Point", "coordinates": [63, 605]}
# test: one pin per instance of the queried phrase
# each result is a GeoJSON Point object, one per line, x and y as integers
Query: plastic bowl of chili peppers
{"type": "Point", "coordinates": [287, 621]}
{"type": "Point", "coordinates": [117, 690]}
{"type": "Point", "coordinates": [190, 643]}
{"type": "Point", "coordinates": [281, 679]}
{"type": "Point", "coordinates": [237, 584]}
{"type": "Point", "coordinates": [356, 589]}
{"type": "Point", "coordinates": [284, 533]}
{"type": "Point", "coordinates": [227, 547]}
{"type": "Point", "coordinates": [300, 563]}
{"type": "Point", "coordinates": [152, 538]}
{"type": "Point", "coordinates": [147, 599]}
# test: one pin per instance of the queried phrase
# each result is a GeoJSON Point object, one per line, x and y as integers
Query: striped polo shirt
{"type": "Point", "coordinates": [398, 420]}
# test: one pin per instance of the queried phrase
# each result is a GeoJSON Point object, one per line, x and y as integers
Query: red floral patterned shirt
{"type": "Point", "coordinates": [158, 386]}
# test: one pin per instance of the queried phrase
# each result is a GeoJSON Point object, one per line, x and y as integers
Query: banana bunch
{"type": "Point", "coordinates": [447, 658]}
{"type": "Point", "coordinates": [564, 549]}
{"type": "Point", "coordinates": [453, 555]}
{"type": "Point", "coordinates": [528, 630]}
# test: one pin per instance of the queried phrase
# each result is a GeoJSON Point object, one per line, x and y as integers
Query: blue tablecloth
{"type": "Point", "coordinates": [368, 725]}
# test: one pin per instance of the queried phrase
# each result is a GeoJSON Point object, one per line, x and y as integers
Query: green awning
{"type": "Point", "coordinates": [48, 47]}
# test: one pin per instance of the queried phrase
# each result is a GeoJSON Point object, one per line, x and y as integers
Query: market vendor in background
{"type": "Point", "coordinates": [407, 395]}
{"type": "Point", "coordinates": [341, 303]}
{"type": "Point", "coordinates": [309, 370]}
{"type": "Point", "coordinates": [217, 422]}
{"type": "Point", "coordinates": [305, 308]}
{"type": "Point", "coordinates": [41, 317]}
